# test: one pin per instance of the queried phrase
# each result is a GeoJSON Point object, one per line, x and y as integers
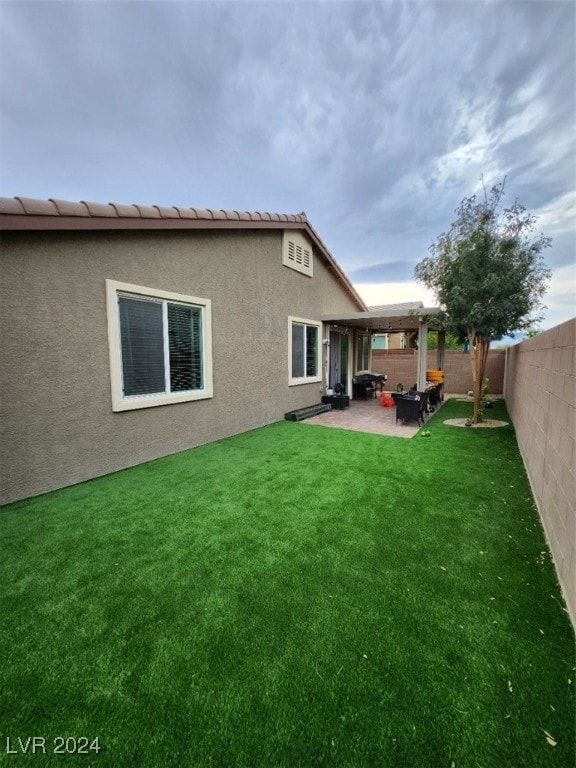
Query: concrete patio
{"type": "Point", "coordinates": [365, 416]}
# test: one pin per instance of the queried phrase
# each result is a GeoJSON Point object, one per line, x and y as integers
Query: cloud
{"type": "Point", "coordinates": [376, 294]}
{"type": "Point", "coordinates": [559, 299]}
{"type": "Point", "coordinates": [394, 271]}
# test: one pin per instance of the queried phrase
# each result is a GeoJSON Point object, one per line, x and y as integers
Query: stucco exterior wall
{"type": "Point", "coordinates": [540, 392]}
{"type": "Point", "coordinates": [56, 412]}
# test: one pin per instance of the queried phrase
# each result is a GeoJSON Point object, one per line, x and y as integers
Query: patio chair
{"type": "Point", "coordinates": [411, 408]}
{"type": "Point", "coordinates": [374, 379]}
{"type": "Point", "coordinates": [363, 389]}
{"type": "Point", "coordinates": [435, 395]}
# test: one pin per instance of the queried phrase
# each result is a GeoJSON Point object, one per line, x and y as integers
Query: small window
{"type": "Point", "coordinates": [160, 347]}
{"type": "Point", "coordinates": [297, 253]}
{"type": "Point", "coordinates": [304, 351]}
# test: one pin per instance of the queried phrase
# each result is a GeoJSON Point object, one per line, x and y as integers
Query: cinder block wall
{"type": "Point", "coordinates": [401, 367]}
{"type": "Point", "coordinates": [540, 393]}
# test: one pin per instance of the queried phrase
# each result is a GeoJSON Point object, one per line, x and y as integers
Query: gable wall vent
{"type": "Point", "coordinates": [297, 253]}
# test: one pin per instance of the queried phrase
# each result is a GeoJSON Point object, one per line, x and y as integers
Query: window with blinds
{"type": "Point", "coordinates": [142, 341]}
{"type": "Point", "coordinates": [185, 347]}
{"type": "Point", "coordinates": [304, 351]}
{"type": "Point", "coordinates": [160, 347]}
{"type": "Point", "coordinates": [311, 350]}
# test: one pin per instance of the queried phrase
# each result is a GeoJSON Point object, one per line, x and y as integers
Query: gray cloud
{"type": "Point", "coordinates": [376, 118]}
{"type": "Point", "coordinates": [389, 271]}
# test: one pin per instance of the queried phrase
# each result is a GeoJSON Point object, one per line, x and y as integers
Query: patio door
{"type": "Point", "coordinates": [338, 371]}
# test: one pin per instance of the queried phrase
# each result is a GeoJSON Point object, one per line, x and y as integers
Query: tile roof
{"type": "Point", "coordinates": [27, 206]}
{"type": "Point", "coordinates": [25, 213]}
{"type": "Point", "coordinates": [405, 305]}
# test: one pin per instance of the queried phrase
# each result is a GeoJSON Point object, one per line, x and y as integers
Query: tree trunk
{"type": "Point", "coordinates": [481, 347]}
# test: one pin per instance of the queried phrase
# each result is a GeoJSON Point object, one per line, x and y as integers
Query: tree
{"type": "Point", "coordinates": [450, 342]}
{"type": "Point", "coordinates": [488, 275]}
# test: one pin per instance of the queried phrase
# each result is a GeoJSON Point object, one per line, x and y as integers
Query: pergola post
{"type": "Point", "coordinates": [422, 353]}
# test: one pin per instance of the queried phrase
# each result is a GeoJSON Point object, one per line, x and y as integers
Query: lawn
{"type": "Point", "coordinates": [291, 597]}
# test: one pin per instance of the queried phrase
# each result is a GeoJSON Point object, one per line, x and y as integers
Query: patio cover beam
{"type": "Point", "coordinates": [389, 321]}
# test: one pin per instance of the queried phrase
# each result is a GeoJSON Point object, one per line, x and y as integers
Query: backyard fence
{"type": "Point", "coordinates": [540, 393]}
{"type": "Point", "coordinates": [401, 367]}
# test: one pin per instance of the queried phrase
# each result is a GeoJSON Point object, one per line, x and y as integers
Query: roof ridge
{"type": "Point", "coordinates": [30, 206]}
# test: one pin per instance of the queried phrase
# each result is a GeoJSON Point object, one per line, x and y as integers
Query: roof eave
{"type": "Point", "coordinates": [39, 223]}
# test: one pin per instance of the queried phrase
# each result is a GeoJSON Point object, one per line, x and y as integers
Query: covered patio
{"type": "Point", "coordinates": [366, 416]}
{"type": "Point", "coordinates": [397, 318]}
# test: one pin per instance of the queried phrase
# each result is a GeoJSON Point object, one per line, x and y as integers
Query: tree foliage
{"type": "Point", "coordinates": [488, 274]}
{"type": "Point", "coordinates": [450, 342]}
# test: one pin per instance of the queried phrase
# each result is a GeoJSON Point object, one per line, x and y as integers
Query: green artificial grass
{"type": "Point", "coordinates": [293, 596]}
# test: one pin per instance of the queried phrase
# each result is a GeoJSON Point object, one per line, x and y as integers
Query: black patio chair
{"type": "Point", "coordinates": [411, 408]}
{"type": "Point", "coordinates": [363, 389]}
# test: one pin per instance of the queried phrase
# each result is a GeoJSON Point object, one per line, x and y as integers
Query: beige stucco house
{"type": "Point", "coordinates": [133, 332]}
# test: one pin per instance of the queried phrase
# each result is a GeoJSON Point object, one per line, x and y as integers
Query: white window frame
{"type": "Point", "coordinates": [292, 380]}
{"type": "Point", "coordinates": [122, 403]}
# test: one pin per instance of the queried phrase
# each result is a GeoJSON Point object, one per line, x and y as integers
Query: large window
{"type": "Point", "coordinates": [304, 350]}
{"type": "Point", "coordinates": [160, 346]}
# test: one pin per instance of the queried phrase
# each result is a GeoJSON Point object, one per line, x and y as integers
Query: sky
{"type": "Point", "coordinates": [374, 118]}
